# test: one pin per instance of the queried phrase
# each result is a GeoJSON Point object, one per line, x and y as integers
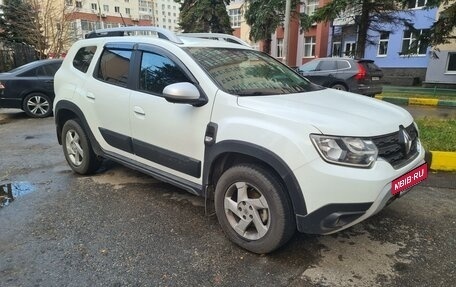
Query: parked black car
{"type": "Point", "coordinates": [355, 75]}
{"type": "Point", "coordinates": [30, 87]}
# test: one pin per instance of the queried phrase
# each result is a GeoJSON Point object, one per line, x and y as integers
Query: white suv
{"type": "Point", "coordinates": [221, 120]}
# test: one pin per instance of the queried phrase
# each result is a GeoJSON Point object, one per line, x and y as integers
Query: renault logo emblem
{"type": "Point", "coordinates": [405, 140]}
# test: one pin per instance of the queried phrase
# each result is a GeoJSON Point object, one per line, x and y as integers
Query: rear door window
{"type": "Point", "coordinates": [48, 70]}
{"type": "Point", "coordinates": [114, 66]}
{"type": "Point", "coordinates": [327, 66]}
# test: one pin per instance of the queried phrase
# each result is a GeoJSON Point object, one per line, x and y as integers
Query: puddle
{"type": "Point", "coordinates": [11, 191]}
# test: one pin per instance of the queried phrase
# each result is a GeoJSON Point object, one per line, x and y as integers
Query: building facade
{"type": "Point", "coordinates": [166, 13]}
{"type": "Point", "coordinates": [403, 59]}
{"type": "Point", "coordinates": [441, 70]}
{"type": "Point", "coordinates": [88, 15]}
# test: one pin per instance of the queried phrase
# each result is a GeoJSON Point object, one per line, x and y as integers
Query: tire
{"type": "Point", "coordinates": [339, 87]}
{"type": "Point", "coordinates": [77, 149]}
{"type": "Point", "coordinates": [261, 222]}
{"type": "Point", "coordinates": [37, 105]}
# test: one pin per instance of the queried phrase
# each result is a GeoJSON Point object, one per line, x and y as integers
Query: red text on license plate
{"type": "Point", "coordinates": [409, 179]}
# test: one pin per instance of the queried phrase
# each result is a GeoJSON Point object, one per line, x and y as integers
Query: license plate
{"type": "Point", "coordinates": [375, 78]}
{"type": "Point", "coordinates": [409, 179]}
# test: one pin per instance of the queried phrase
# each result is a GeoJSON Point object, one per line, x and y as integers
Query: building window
{"type": "Point", "coordinates": [416, 3]}
{"type": "Point", "coordinates": [94, 6]}
{"type": "Point", "coordinates": [106, 8]}
{"type": "Point", "coordinates": [350, 49]}
{"type": "Point", "coordinates": [336, 49]}
{"type": "Point", "coordinates": [69, 2]}
{"type": "Point", "coordinates": [127, 11]}
{"type": "Point", "coordinates": [411, 43]}
{"type": "Point", "coordinates": [235, 17]}
{"type": "Point", "coordinates": [310, 7]}
{"type": "Point", "coordinates": [78, 4]}
{"type": "Point", "coordinates": [451, 66]}
{"type": "Point", "coordinates": [383, 44]}
{"type": "Point", "coordinates": [117, 9]}
{"type": "Point", "coordinates": [309, 46]}
{"type": "Point", "coordinates": [279, 48]}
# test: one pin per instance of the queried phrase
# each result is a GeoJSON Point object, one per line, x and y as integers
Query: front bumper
{"type": "Point", "coordinates": [338, 197]}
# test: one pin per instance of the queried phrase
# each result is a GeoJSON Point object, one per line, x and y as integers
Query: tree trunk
{"type": "Point", "coordinates": [267, 46]}
{"type": "Point", "coordinates": [363, 27]}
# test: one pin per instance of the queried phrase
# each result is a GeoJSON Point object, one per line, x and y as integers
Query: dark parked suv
{"type": "Point", "coordinates": [355, 75]}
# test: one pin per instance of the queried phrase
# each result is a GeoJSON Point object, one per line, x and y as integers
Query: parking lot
{"type": "Point", "coordinates": [122, 228]}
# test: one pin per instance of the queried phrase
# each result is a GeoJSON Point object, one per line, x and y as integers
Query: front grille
{"type": "Point", "coordinates": [391, 149]}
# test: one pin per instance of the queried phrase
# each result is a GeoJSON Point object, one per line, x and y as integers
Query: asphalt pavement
{"type": "Point", "coordinates": [123, 228]}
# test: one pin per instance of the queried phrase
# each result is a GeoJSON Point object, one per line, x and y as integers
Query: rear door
{"type": "Point", "coordinates": [45, 77]}
{"type": "Point", "coordinates": [107, 98]}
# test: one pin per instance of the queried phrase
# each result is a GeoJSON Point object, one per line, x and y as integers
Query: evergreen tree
{"type": "Point", "coordinates": [199, 16]}
{"type": "Point", "coordinates": [264, 16]}
{"type": "Point", "coordinates": [16, 21]}
{"type": "Point", "coordinates": [443, 30]}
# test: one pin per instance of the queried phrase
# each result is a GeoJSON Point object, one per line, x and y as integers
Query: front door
{"type": "Point", "coordinates": [167, 136]}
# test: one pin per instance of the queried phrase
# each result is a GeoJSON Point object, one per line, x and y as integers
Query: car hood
{"type": "Point", "coordinates": [333, 112]}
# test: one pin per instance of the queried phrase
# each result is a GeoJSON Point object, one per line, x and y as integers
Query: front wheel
{"type": "Point", "coordinates": [37, 105]}
{"type": "Point", "coordinates": [253, 209]}
{"type": "Point", "coordinates": [77, 149]}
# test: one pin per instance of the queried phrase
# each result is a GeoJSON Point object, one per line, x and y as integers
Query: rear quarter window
{"type": "Point", "coordinates": [83, 58]}
{"type": "Point", "coordinates": [341, 65]}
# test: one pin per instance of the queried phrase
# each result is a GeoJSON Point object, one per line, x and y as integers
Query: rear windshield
{"type": "Point", "coordinates": [370, 66]}
{"type": "Point", "coordinates": [249, 72]}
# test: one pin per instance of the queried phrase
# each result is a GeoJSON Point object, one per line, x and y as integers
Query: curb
{"type": "Point", "coordinates": [418, 101]}
{"type": "Point", "coordinates": [443, 160]}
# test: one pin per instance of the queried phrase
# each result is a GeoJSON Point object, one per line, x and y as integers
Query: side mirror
{"type": "Point", "coordinates": [184, 93]}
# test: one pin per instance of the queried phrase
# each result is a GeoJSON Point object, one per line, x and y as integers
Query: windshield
{"type": "Point", "coordinates": [249, 72]}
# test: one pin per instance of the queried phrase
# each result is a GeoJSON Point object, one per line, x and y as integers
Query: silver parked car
{"type": "Point", "coordinates": [360, 76]}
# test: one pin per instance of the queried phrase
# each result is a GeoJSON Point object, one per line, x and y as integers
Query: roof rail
{"type": "Point", "coordinates": [217, 36]}
{"type": "Point", "coordinates": [112, 32]}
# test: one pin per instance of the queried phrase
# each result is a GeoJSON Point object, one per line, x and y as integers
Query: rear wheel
{"type": "Point", "coordinates": [253, 209]}
{"type": "Point", "coordinates": [77, 149]}
{"type": "Point", "coordinates": [37, 105]}
{"type": "Point", "coordinates": [339, 87]}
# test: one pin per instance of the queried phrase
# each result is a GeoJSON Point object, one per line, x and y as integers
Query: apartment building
{"type": "Point", "coordinates": [88, 15]}
{"type": "Point", "coordinates": [166, 13]}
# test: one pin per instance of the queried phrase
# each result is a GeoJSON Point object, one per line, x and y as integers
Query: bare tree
{"type": "Point", "coordinates": [53, 26]}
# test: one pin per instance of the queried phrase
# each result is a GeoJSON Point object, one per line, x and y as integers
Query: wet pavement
{"type": "Point", "coordinates": [122, 228]}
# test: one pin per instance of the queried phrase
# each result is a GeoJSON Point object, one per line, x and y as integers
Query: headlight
{"type": "Point", "coordinates": [354, 152]}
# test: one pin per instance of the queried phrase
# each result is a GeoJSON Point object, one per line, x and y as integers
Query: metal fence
{"type": "Point", "coordinates": [13, 55]}
{"type": "Point", "coordinates": [420, 91]}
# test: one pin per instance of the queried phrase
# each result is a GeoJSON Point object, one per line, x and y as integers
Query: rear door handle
{"type": "Point", "coordinates": [139, 111]}
{"type": "Point", "coordinates": [90, 96]}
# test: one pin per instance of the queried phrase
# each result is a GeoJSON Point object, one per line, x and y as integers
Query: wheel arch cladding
{"type": "Point", "coordinates": [217, 151]}
{"type": "Point", "coordinates": [64, 111]}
